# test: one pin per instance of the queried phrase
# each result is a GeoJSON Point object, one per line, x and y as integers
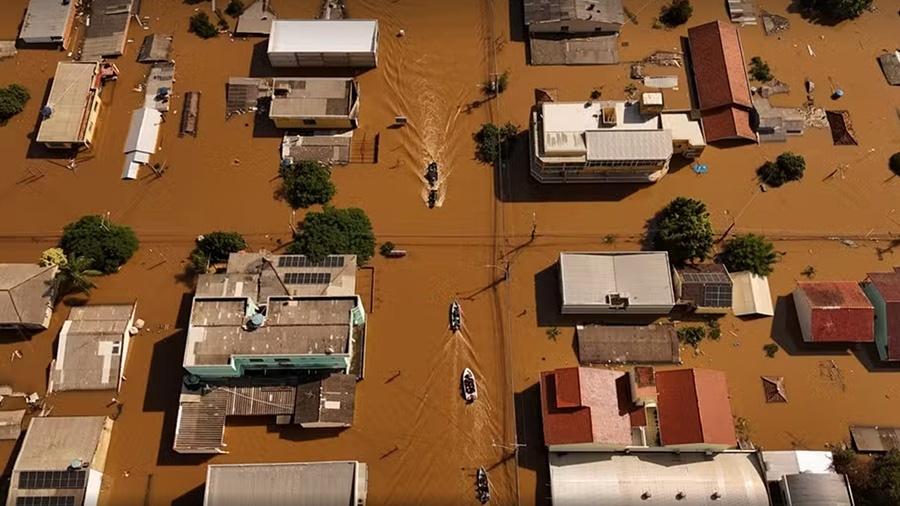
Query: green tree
{"type": "Point", "coordinates": [306, 183]}
{"type": "Point", "coordinates": [334, 232]}
{"type": "Point", "coordinates": [491, 141]}
{"type": "Point", "coordinates": [495, 86]}
{"type": "Point", "coordinates": [691, 335]}
{"type": "Point", "coordinates": [894, 163]}
{"type": "Point", "coordinates": [106, 244]}
{"type": "Point", "coordinates": [837, 10]}
{"type": "Point", "coordinates": [683, 229]}
{"type": "Point", "coordinates": [787, 167]}
{"type": "Point", "coordinates": [215, 247]}
{"type": "Point", "coordinates": [202, 26]}
{"type": "Point", "coordinates": [749, 252]}
{"type": "Point", "coordinates": [677, 13]}
{"type": "Point", "coordinates": [74, 275]}
{"type": "Point", "coordinates": [235, 8]}
{"type": "Point", "coordinates": [759, 70]}
{"type": "Point", "coordinates": [12, 100]}
{"type": "Point", "coordinates": [885, 476]}
{"type": "Point", "coordinates": [387, 248]}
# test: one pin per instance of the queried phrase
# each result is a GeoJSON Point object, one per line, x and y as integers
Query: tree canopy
{"type": "Point", "coordinates": [875, 480]}
{"type": "Point", "coordinates": [107, 245]}
{"type": "Point", "coordinates": [215, 247]}
{"type": "Point", "coordinates": [12, 100]}
{"type": "Point", "coordinates": [749, 252]}
{"type": "Point", "coordinates": [677, 13]}
{"type": "Point", "coordinates": [334, 232]}
{"type": "Point", "coordinates": [306, 183]}
{"type": "Point", "coordinates": [836, 9]}
{"type": "Point", "coordinates": [683, 229]}
{"type": "Point", "coordinates": [492, 141]}
{"type": "Point", "coordinates": [759, 70]}
{"type": "Point", "coordinates": [894, 163]}
{"type": "Point", "coordinates": [235, 8]}
{"type": "Point", "coordinates": [787, 167]}
{"type": "Point", "coordinates": [202, 26]}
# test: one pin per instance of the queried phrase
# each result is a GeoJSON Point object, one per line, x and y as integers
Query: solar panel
{"type": "Point", "coordinates": [51, 479]}
{"type": "Point", "coordinates": [46, 500]}
{"type": "Point", "coordinates": [307, 278]}
{"type": "Point", "coordinates": [705, 277]}
{"type": "Point", "coordinates": [717, 296]}
{"type": "Point", "coordinates": [302, 261]}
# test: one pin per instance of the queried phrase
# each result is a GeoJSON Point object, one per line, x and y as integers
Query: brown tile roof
{"type": "Point", "coordinates": [584, 405]}
{"type": "Point", "coordinates": [888, 286]}
{"type": "Point", "coordinates": [627, 344]}
{"type": "Point", "coordinates": [727, 122]}
{"type": "Point", "coordinates": [694, 408]}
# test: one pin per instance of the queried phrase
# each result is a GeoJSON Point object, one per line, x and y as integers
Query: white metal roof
{"type": "Point", "coordinates": [323, 36]}
{"type": "Point", "coordinates": [644, 276]}
{"type": "Point", "coordinates": [143, 135]}
{"type": "Point", "coordinates": [301, 484]}
{"type": "Point", "coordinates": [683, 127]}
{"type": "Point", "coordinates": [68, 102]}
{"type": "Point", "coordinates": [785, 462]}
{"type": "Point", "coordinates": [620, 145]}
{"type": "Point", "coordinates": [750, 295]}
{"type": "Point", "coordinates": [45, 19]}
{"type": "Point", "coordinates": [582, 478]}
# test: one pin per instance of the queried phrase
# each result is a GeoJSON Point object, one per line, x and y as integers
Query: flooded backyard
{"type": "Point", "coordinates": [420, 440]}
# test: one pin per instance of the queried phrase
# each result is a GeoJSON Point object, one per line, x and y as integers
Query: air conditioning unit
{"type": "Point", "coordinates": [617, 300]}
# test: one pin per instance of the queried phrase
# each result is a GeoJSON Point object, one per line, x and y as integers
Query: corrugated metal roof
{"type": "Point", "coordinates": [70, 97]}
{"type": "Point", "coordinates": [46, 18]}
{"type": "Point", "coordinates": [323, 36]}
{"type": "Point", "coordinates": [155, 48]}
{"type": "Point", "coordinates": [781, 463]}
{"type": "Point", "coordinates": [627, 344]}
{"type": "Point", "coordinates": [841, 312]}
{"type": "Point", "coordinates": [106, 34]}
{"type": "Point", "coordinates": [644, 276]}
{"type": "Point", "coordinates": [26, 293]}
{"type": "Point", "coordinates": [297, 484]}
{"type": "Point", "coordinates": [887, 284]}
{"type": "Point", "coordinates": [623, 145]}
{"type": "Point", "coordinates": [694, 408]}
{"type": "Point", "coordinates": [11, 424]}
{"type": "Point", "coordinates": [817, 489]}
{"type": "Point", "coordinates": [750, 294]}
{"type": "Point", "coordinates": [51, 443]}
{"type": "Point", "coordinates": [875, 439]}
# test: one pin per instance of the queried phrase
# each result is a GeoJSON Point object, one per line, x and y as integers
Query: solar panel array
{"type": "Point", "coordinates": [302, 261]}
{"type": "Point", "coordinates": [51, 479]}
{"type": "Point", "coordinates": [717, 296]}
{"type": "Point", "coordinates": [46, 500]}
{"type": "Point", "coordinates": [307, 278]}
{"type": "Point", "coordinates": [705, 277]}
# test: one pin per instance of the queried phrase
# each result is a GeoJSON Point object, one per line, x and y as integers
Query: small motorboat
{"type": "Point", "coordinates": [432, 198]}
{"type": "Point", "coordinates": [455, 316]}
{"type": "Point", "coordinates": [468, 387]}
{"type": "Point", "coordinates": [431, 174]}
{"type": "Point", "coordinates": [482, 488]}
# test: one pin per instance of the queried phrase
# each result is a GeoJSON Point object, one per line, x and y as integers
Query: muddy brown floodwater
{"type": "Point", "coordinates": [421, 442]}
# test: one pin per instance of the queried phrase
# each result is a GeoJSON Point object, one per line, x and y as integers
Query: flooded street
{"type": "Point", "coordinates": [421, 441]}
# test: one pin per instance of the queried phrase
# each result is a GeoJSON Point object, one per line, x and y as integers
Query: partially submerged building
{"type": "Point", "coordinates": [883, 290]}
{"type": "Point", "coordinates": [342, 483]}
{"type": "Point", "coordinates": [142, 140]}
{"type": "Point", "coordinates": [315, 103]}
{"type": "Point", "coordinates": [61, 461]}
{"type": "Point", "coordinates": [703, 288]}
{"type": "Point", "coordinates": [92, 348]}
{"type": "Point", "coordinates": [573, 32]}
{"type": "Point", "coordinates": [106, 34]}
{"type": "Point", "coordinates": [720, 82]}
{"type": "Point", "coordinates": [323, 43]}
{"type": "Point", "coordinates": [69, 118]}
{"type": "Point", "coordinates": [815, 489]}
{"type": "Point", "coordinates": [627, 344]}
{"type": "Point", "coordinates": [750, 295]}
{"type": "Point", "coordinates": [616, 282]}
{"type": "Point", "coordinates": [695, 410]}
{"type": "Point", "coordinates": [834, 311]}
{"type": "Point", "coordinates": [27, 294]}
{"type": "Point", "coordinates": [48, 22]}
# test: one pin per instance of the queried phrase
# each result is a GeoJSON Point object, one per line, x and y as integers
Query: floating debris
{"type": "Point", "coordinates": [666, 59]}
{"type": "Point", "coordinates": [842, 133]}
{"type": "Point", "coordinates": [773, 23]}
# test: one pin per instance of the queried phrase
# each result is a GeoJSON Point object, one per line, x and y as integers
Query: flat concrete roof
{"type": "Point", "coordinates": [298, 483]}
{"type": "Point", "coordinates": [274, 269]}
{"type": "Point", "coordinates": [643, 276]}
{"type": "Point", "coordinates": [564, 124]}
{"type": "Point", "coordinates": [323, 36]}
{"type": "Point", "coordinates": [683, 127]}
{"type": "Point", "coordinates": [52, 443]}
{"type": "Point", "coordinates": [69, 100]}
{"type": "Point", "coordinates": [45, 19]}
{"type": "Point", "coordinates": [311, 97]}
{"type": "Point", "coordinates": [90, 350]}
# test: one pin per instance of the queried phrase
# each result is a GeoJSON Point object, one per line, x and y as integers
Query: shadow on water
{"type": "Point", "coordinates": [516, 21]}
{"type": "Point", "coordinates": [796, 7]}
{"type": "Point", "coordinates": [787, 334]}
{"type": "Point", "coordinates": [867, 354]}
{"type": "Point", "coordinates": [193, 497]}
{"type": "Point", "coordinates": [533, 455]}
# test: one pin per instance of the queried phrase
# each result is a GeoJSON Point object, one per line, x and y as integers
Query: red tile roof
{"type": "Point", "coordinates": [694, 408]}
{"type": "Point", "coordinates": [888, 286]}
{"type": "Point", "coordinates": [720, 81]}
{"type": "Point", "coordinates": [841, 312]}
{"type": "Point", "coordinates": [584, 405]}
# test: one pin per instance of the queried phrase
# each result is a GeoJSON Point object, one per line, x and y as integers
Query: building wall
{"type": "Point", "coordinates": [92, 489]}
{"type": "Point", "coordinates": [287, 59]}
{"type": "Point", "coordinates": [684, 148]}
{"type": "Point", "coordinates": [604, 309]}
{"type": "Point", "coordinates": [93, 115]}
{"type": "Point", "coordinates": [804, 314]}
{"type": "Point", "coordinates": [314, 123]}
{"type": "Point", "coordinates": [573, 26]}
{"type": "Point", "coordinates": [881, 330]}
{"type": "Point", "coordinates": [244, 363]}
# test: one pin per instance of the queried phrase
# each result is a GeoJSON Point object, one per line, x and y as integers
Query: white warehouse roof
{"type": "Point", "coordinates": [323, 36]}
{"type": "Point", "coordinates": [643, 276]}
{"type": "Point", "coordinates": [624, 145]}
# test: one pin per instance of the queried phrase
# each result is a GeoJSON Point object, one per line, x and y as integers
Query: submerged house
{"type": "Point", "coordinates": [69, 118]}
{"type": "Point", "coordinates": [883, 290]}
{"type": "Point", "coordinates": [615, 282]}
{"type": "Point", "coordinates": [315, 103]}
{"type": "Point", "coordinates": [573, 32]}
{"type": "Point", "coordinates": [343, 483]}
{"type": "Point", "coordinates": [48, 22]}
{"type": "Point", "coordinates": [61, 461]}
{"type": "Point", "coordinates": [323, 43]}
{"type": "Point", "coordinates": [834, 312]}
{"type": "Point", "coordinates": [720, 82]}
{"type": "Point", "coordinates": [750, 295]}
{"type": "Point", "coordinates": [27, 294]}
{"type": "Point", "coordinates": [704, 288]}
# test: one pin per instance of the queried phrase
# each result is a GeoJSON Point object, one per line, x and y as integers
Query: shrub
{"type": "Point", "coordinates": [875, 480]}
{"type": "Point", "coordinates": [676, 13]}
{"type": "Point", "coordinates": [106, 245]}
{"type": "Point", "coordinates": [771, 349]}
{"type": "Point", "coordinates": [53, 256]}
{"type": "Point", "coordinates": [787, 167]}
{"type": "Point", "coordinates": [202, 26]}
{"type": "Point", "coordinates": [683, 229]}
{"type": "Point", "coordinates": [894, 163]}
{"type": "Point", "coordinates": [12, 100]}
{"type": "Point", "coordinates": [333, 232]}
{"type": "Point", "coordinates": [714, 331]}
{"type": "Point", "coordinates": [386, 248]}
{"type": "Point", "coordinates": [235, 8]}
{"type": "Point", "coordinates": [215, 248]}
{"type": "Point", "coordinates": [809, 271]}
{"type": "Point", "coordinates": [759, 70]}
{"type": "Point", "coordinates": [749, 252]}
{"type": "Point", "coordinates": [492, 141]}
{"type": "Point", "coordinates": [306, 183]}
{"type": "Point", "coordinates": [836, 9]}
{"type": "Point", "coordinates": [691, 335]}
{"type": "Point", "coordinates": [74, 276]}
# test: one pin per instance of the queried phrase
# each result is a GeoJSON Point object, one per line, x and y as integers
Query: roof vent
{"type": "Point", "coordinates": [617, 300]}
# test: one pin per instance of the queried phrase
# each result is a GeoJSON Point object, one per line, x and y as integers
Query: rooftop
{"type": "Point", "coordinates": [781, 463]}
{"type": "Point", "coordinates": [816, 489]}
{"type": "Point", "coordinates": [626, 145]}
{"type": "Point", "coordinates": [601, 11]}
{"type": "Point", "coordinates": [256, 19]}
{"type": "Point", "coordinates": [834, 311]}
{"type": "Point", "coordinates": [580, 478]}
{"type": "Point", "coordinates": [888, 286]}
{"type": "Point", "coordinates": [70, 96]}
{"type": "Point", "coordinates": [156, 47]}
{"type": "Point", "coordinates": [11, 424]}
{"type": "Point", "coordinates": [564, 124]}
{"type": "Point", "coordinates": [329, 400]}
{"type": "Point", "coordinates": [52, 443]}
{"type": "Point", "coordinates": [298, 483]}
{"type": "Point", "coordinates": [295, 274]}
{"type": "Point", "coordinates": [590, 278]}
{"type": "Point", "coordinates": [312, 97]}
{"type": "Point", "coordinates": [683, 127]}
{"type": "Point", "coordinates": [627, 344]}
{"type": "Point", "coordinates": [45, 19]}
{"type": "Point", "coordinates": [694, 408]}
{"type": "Point", "coordinates": [323, 36]}
{"type": "Point", "coordinates": [834, 294]}
{"type": "Point", "coordinates": [26, 294]}
{"type": "Point", "coordinates": [91, 348]}
{"type": "Point", "coordinates": [584, 405]}
{"type": "Point", "coordinates": [706, 285]}
{"type": "Point", "coordinates": [750, 295]}
{"type": "Point", "coordinates": [107, 32]}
